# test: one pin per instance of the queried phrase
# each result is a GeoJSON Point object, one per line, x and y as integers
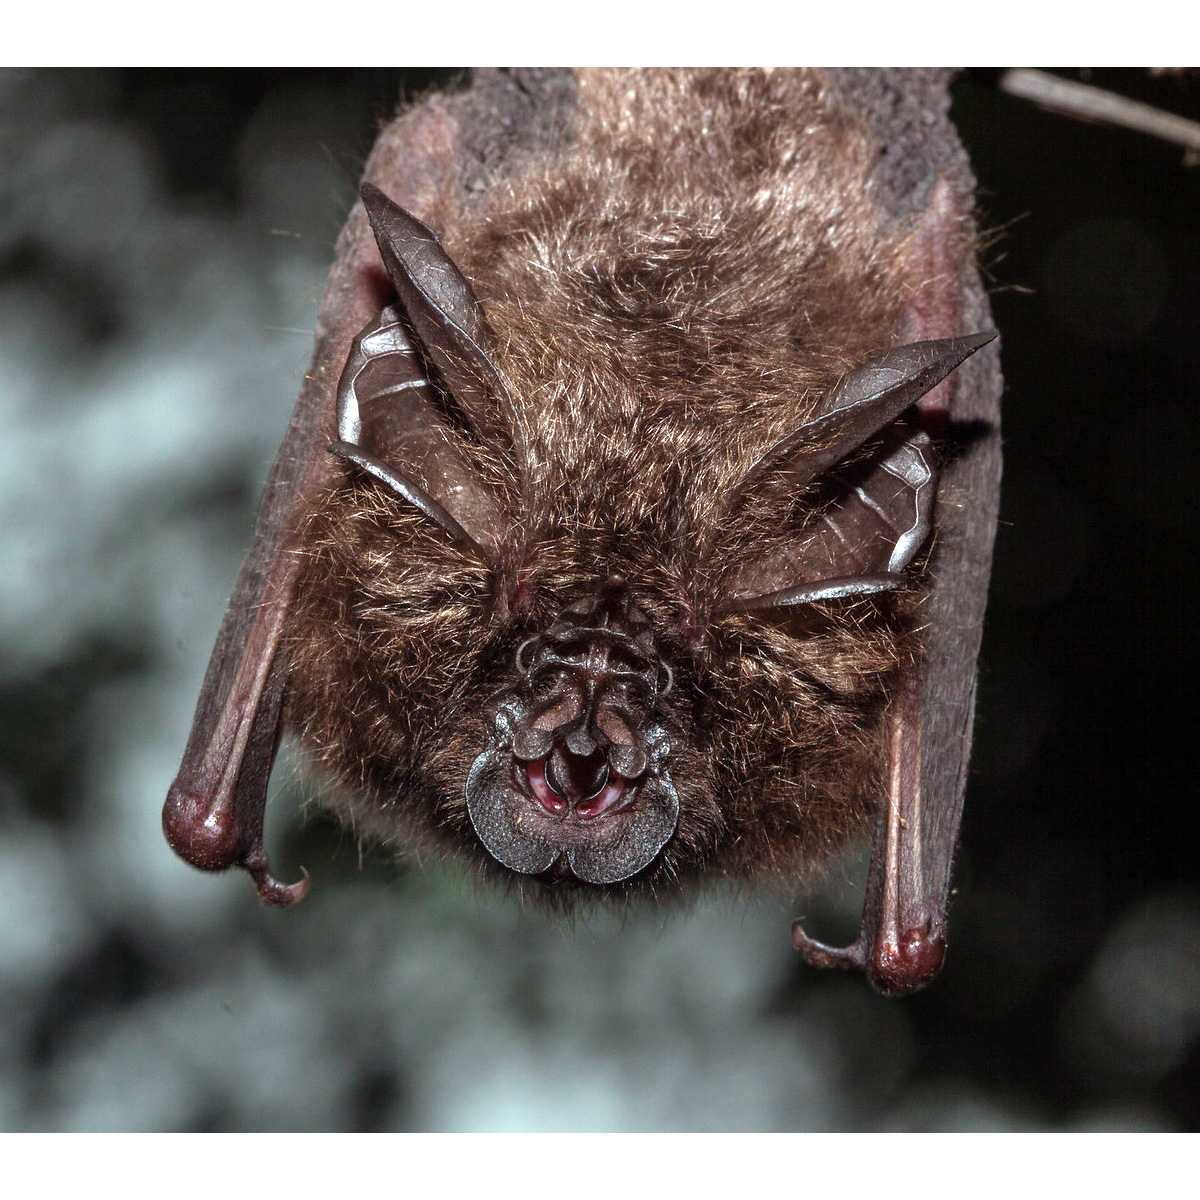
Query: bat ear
{"type": "Point", "coordinates": [440, 306]}
{"type": "Point", "coordinates": [862, 403]}
{"type": "Point", "coordinates": [389, 426]}
{"type": "Point", "coordinates": [867, 523]}
{"type": "Point", "coordinates": [871, 517]}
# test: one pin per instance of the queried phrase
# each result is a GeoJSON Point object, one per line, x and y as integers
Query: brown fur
{"type": "Point", "coordinates": [672, 290]}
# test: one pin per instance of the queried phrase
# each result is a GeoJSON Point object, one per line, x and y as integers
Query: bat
{"type": "Point", "coordinates": [634, 523]}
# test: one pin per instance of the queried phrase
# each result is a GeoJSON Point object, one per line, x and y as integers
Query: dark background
{"type": "Point", "coordinates": [163, 240]}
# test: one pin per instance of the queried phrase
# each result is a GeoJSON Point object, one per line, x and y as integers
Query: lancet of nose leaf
{"type": "Point", "coordinates": [863, 403]}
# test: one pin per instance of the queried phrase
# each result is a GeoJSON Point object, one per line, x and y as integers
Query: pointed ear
{"type": "Point", "coordinates": [389, 426]}
{"type": "Point", "coordinates": [871, 517]}
{"type": "Point", "coordinates": [440, 306]}
{"type": "Point", "coordinates": [860, 406]}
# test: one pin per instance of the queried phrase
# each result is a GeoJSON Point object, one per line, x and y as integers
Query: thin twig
{"type": "Point", "coordinates": [1090, 103]}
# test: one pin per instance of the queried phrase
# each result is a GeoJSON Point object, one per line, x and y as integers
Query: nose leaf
{"type": "Point", "coordinates": [580, 742]}
{"type": "Point", "coordinates": [575, 778]}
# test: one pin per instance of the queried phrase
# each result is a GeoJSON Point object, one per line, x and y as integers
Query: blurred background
{"type": "Point", "coordinates": [164, 236]}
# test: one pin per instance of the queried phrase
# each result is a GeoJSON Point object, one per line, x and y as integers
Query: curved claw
{"type": "Point", "coordinates": [210, 835]}
{"type": "Point", "coordinates": [894, 967]}
{"type": "Point", "coordinates": [276, 894]}
{"type": "Point", "coordinates": [818, 954]}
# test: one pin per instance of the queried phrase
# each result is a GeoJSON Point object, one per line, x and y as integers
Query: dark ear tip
{"type": "Point", "coordinates": [942, 355]}
{"type": "Point", "coordinates": [396, 229]}
{"type": "Point", "coordinates": [976, 341]}
{"type": "Point", "coordinates": [960, 348]}
{"type": "Point", "coordinates": [375, 202]}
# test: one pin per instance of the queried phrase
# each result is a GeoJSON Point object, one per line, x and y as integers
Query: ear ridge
{"type": "Point", "coordinates": [441, 307]}
{"type": "Point", "coordinates": [409, 491]}
{"type": "Point", "coordinates": [388, 426]}
{"type": "Point", "coordinates": [823, 589]}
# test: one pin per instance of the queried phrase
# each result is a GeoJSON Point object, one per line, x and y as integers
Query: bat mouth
{"type": "Point", "coordinates": [533, 821]}
{"type": "Point", "coordinates": [574, 788]}
{"type": "Point", "coordinates": [574, 781]}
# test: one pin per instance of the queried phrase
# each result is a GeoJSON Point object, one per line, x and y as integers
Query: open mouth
{"type": "Point", "coordinates": [555, 815]}
{"type": "Point", "coordinates": [610, 793]}
{"type": "Point", "coordinates": [574, 778]}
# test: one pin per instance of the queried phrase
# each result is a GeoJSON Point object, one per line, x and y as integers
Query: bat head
{"type": "Point", "coordinates": [667, 693]}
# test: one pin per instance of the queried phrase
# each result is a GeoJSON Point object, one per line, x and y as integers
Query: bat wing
{"type": "Point", "coordinates": [213, 816]}
{"type": "Point", "coordinates": [901, 942]}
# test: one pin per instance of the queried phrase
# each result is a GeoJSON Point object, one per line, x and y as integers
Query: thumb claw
{"type": "Point", "coordinates": [280, 895]}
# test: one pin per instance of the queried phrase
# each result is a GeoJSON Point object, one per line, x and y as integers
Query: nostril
{"type": "Point", "coordinates": [576, 776]}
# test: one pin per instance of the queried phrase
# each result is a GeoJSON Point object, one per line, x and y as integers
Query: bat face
{"type": "Point", "coordinates": [596, 680]}
{"type": "Point", "coordinates": [621, 577]}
